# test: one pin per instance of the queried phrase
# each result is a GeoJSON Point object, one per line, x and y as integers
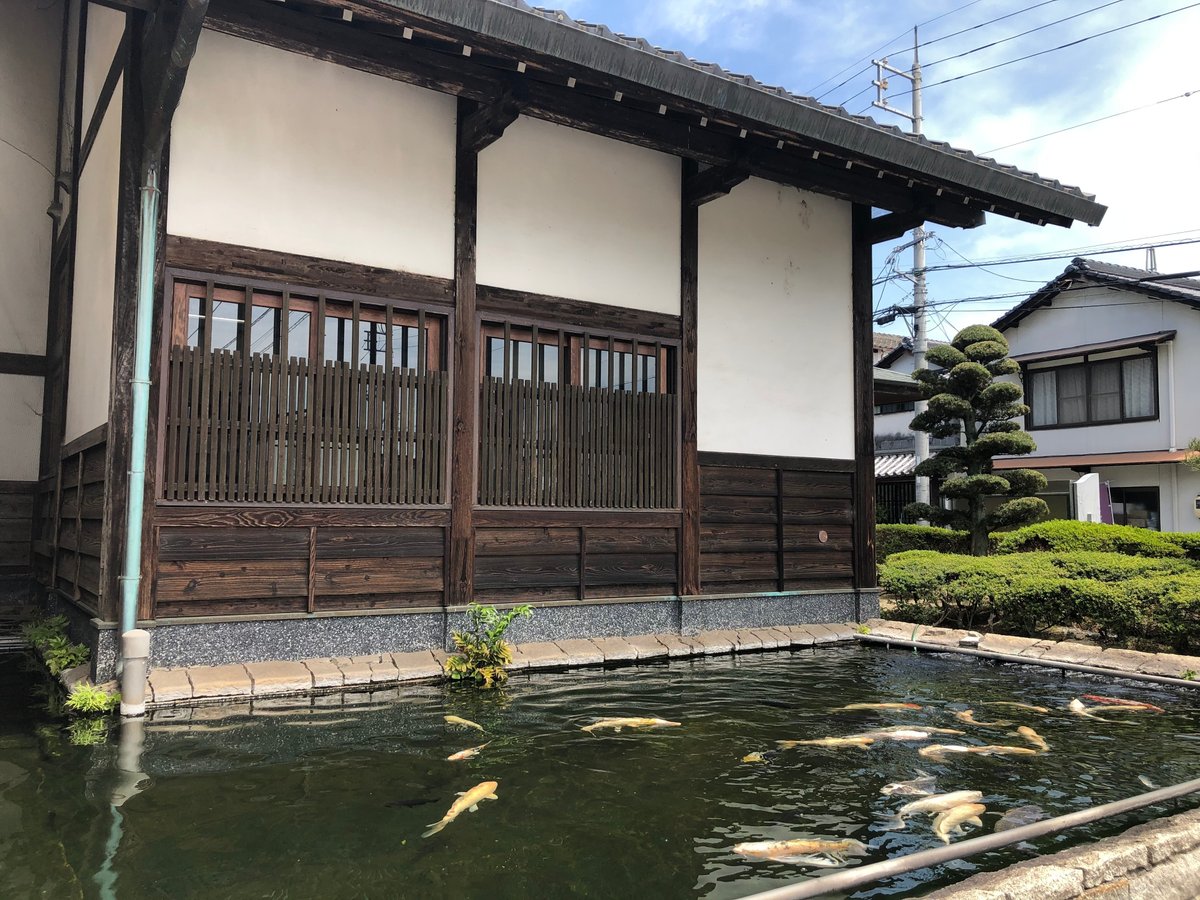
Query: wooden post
{"type": "Point", "coordinates": [464, 442]}
{"type": "Point", "coordinates": [864, 409]}
{"type": "Point", "coordinates": [689, 539]}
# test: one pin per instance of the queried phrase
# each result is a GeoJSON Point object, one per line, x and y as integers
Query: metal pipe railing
{"type": "Point", "coordinates": [1026, 660]}
{"type": "Point", "coordinates": [839, 882]}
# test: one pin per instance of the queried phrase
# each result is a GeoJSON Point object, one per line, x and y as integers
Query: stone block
{"type": "Point", "coordinates": [278, 677]}
{"type": "Point", "coordinates": [769, 638]}
{"type": "Point", "coordinates": [797, 635]}
{"type": "Point", "coordinates": [355, 669]}
{"type": "Point", "coordinates": [1108, 861]}
{"type": "Point", "coordinates": [823, 634]}
{"type": "Point", "coordinates": [581, 652]}
{"type": "Point", "coordinates": [1173, 840]}
{"type": "Point", "coordinates": [540, 655]}
{"type": "Point", "coordinates": [648, 646]}
{"type": "Point", "coordinates": [1071, 652]}
{"type": "Point", "coordinates": [1006, 643]}
{"type": "Point", "coordinates": [844, 631]}
{"type": "Point", "coordinates": [943, 637]}
{"type": "Point", "coordinates": [747, 640]}
{"type": "Point", "coordinates": [1038, 649]}
{"type": "Point", "coordinates": [383, 670]}
{"type": "Point", "coordinates": [1042, 882]}
{"type": "Point", "coordinates": [1169, 665]}
{"type": "Point", "coordinates": [1114, 890]}
{"type": "Point", "coordinates": [616, 649]}
{"type": "Point", "coordinates": [677, 645]}
{"type": "Point", "coordinates": [170, 685]}
{"type": "Point", "coordinates": [715, 642]}
{"type": "Point", "coordinates": [324, 672]}
{"type": "Point", "coordinates": [415, 665]}
{"type": "Point", "coordinates": [890, 628]}
{"type": "Point", "coordinates": [220, 681]}
{"type": "Point", "coordinates": [70, 678]}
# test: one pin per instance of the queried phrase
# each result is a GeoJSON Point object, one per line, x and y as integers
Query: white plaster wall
{"type": "Point", "coordinates": [104, 29]}
{"type": "Point", "coordinates": [1177, 488]}
{"type": "Point", "coordinates": [20, 427]}
{"type": "Point", "coordinates": [775, 335]}
{"type": "Point", "coordinates": [276, 150]}
{"type": "Point", "coordinates": [95, 279]}
{"type": "Point", "coordinates": [29, 56]}
{"type": "Point", "coordinates": [1100, 314]}
{"type": "Point", "coordinates": [572, 214]}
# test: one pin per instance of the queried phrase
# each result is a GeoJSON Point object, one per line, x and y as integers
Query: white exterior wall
{"type": "Point", "coordinates": [29, 56]}
{"type": "Point", "coordinates": [775, 337]}
{"type": "Point", "coordinates": [90, 370]}
{"type": "Point", "coordinates": [571, 214]}
{"type": "Point", "coordinates": [276, 150]}
{"type": "Point", "coordinates": [1177, 488]}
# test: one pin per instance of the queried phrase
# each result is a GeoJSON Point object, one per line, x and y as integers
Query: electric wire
{"type": "Point", "coordinates": [1123, 112]}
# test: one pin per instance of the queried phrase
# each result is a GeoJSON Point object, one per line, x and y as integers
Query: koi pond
{"type": "Point", "coordinates": [329, 797]}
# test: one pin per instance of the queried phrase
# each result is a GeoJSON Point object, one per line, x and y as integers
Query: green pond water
{"type": "Point", "coordinates": [328, 798]}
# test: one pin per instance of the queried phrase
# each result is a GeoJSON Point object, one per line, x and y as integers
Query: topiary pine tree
{"type": "Point", "coordinates": [965, 398]}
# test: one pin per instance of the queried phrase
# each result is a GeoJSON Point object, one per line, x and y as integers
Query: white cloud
{"type": "Point", "coordinates": [696, 21]}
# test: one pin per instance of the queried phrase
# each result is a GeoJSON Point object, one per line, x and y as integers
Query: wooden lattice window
{"type": "Point", "coordinates": [284, 396]}
{"type": "Point", "coordinates": [576, 419]}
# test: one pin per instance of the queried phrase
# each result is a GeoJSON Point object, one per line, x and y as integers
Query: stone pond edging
{"type": "Point", "coordinates": [1156, 861]}
{"type": "Point", "coordinates": [196, 685]}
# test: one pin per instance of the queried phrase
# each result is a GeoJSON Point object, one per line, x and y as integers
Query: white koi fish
{"type": "Point", "coordinates": [629, 722]}
{"type": "Point", "coordinates": [465, 723]}
{"type": "Point", "coordinates": [921, 786]}
{"type": "Point", "coordinates": [822, 853]}
{"type": "Point", "coordinates": [468, 801]}
{"type": "Point", "coordinates": [1033, 737]}
{"type": "Point", "coordinates": [951, 821]}
{"type": "Point", "coordinates": [469, 753]}
{"type": "Point", "coordinates": [968, 716]}
{"type": "Point", "coordinates": [935, 804]}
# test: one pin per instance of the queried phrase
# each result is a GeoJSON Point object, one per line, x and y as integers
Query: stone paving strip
{"type": "Point", "coordinates": [1157, 860]}
{"type": "Point", "coordinates": [1169, 665]}
{"type": "Point", "coordinates": [195, 685]}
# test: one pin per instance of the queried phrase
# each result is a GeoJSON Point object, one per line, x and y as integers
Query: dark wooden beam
{"type": "Point", "coordinates": [22, 364]}
{"type": "Point", "coordinates": [864, 409]}
{"type": "Point", "coordinates": [714, 182]}
{"type": "Point", "coordinates": [167, 50]}
{"type": "Point", "coordinates": [788, 463]}
{"type": "Point", "coordinates": [892, 225]}
{"type": "Point", "coordinates": [512, 303]}
{"type": "Point", "coordinates": [460, 563]}
{"type": "Point", "coordinates": [486, 124]}
{"type": "Point", "coordinates": [689, 461]}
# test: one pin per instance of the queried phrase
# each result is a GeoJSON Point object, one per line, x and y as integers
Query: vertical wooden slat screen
{"type": "Point", "coordinates": [267, 429]}
{"type": "Point", "coordinates": [547, 441]}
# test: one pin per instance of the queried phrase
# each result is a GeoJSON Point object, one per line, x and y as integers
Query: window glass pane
{"type": "Point", "coordinates": [549, 363]}
{"type": "Point", "coordinates": [195, 322]}
{"type": "Point", "coordinates": [1072, 396]}
{"type": "Point", "coordinates": [264, 329]}
{"type": "Point", "coordinates": [649, 374]}
{"type": "Point", "coordinates": [371, 347]}
{"type": "Point", "coordinates": [598, 363]}
{"type": "Point", "coordinates": [226, 325]}
{"type": "Point", "coordinates": [1138, 375]}
{"type": "Point", "coordinates": [522, 355]}
{"type": "Point", "coordinates": [495, 357]}
{"type": "Point", "coordinates": [299, 323]}
{"type": "Point", "coordinates": [1043, 395]}
{"type": "Point", "coordinates": [339, 339]}
{"type": "Point", "coordinates": [1105, 394]}
{"type": "Point", "coordinates": [1135, 506]}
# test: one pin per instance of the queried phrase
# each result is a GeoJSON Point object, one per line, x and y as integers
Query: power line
{"type": "Point", "coordinates": [1013, 37]}
{"type": "Point", "coordinates": [1074, 43]}
{"type": "Point", "coordinates": [1123, 112]}
{"type": "Point", "coordinates": [982, 268]}
{"type": "Point", "coordinates": [946, 37]}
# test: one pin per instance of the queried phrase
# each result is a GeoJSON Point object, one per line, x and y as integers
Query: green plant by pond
{"type": "Point", "coordinates": [483, 652]}
{"type": "Point", "coordinates": [40, 632]}
{"type": "Point", "coordinates": [88, 732]}
{"type": "Point", "coordinates": [48, 636]}
{"type": "Point", "coordinates": [87, 699]}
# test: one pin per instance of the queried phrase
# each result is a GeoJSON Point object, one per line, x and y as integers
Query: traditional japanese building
{"type": "Point", "coordinates": [442, 301]}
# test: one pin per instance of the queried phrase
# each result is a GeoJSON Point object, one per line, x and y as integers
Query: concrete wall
{"type": "Point", "coordinates": [1177, 486]}
{"type": "Point", "coordinates": [96, 238]}
{"type": "Point", "coordinates": [572, 214]}
{"type": "Point", "coordinates": [775, 335]}
{"type": "Point", "coordinates": [276, 150]}
{"type": "Point", "coordinates": [29, 58]}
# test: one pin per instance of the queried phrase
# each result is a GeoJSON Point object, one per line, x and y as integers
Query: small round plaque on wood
{"type": "Point", "coordinates": [823, 536]}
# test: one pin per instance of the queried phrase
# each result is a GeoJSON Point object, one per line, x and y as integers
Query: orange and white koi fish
{"type": "Point", "coordinates": [1119, 703]}
{"type": "Point", "coordinates": [938, 752]}
{"type": "Point", "coordinates": [803, 852]}
{"type": "Point", "coordinates": [1033, 737]}
{"type": "Point", "coordinates": [855, 741]}
{"type": "Point", "coordinates": [857, 706]}
{"type": "Point", "coordinates": [468, 801]}
{"type": "Point", "coordinates": [629, 722]}
{"type": "Point", "coordinates": [469, 753]}
{"type": "Point", "coordinates": [968, 716]}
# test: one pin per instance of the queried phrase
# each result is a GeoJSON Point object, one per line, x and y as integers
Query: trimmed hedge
{"type": "Point", "coordinates": [1070, 536]}
{"type": "Point", "coordinates": [891, 539]}
{"type": "Point", "coordinates": [1122, 596]}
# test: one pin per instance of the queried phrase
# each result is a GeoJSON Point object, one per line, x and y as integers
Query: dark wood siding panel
{"type": "Point", "coordinates": [821, 485]}
{"type": "Point", "coordinates": [741, 482]}
{"type": "Point", "coordinates": [726, 508]}
{"type": "Point", "coordinates": [632, 540]}
{"type": "Point", "coordinates": [526, 541]}
{"type": "Point", "coordinates": [16, 526]}
{"type": "Point", "coordinates": [380, 543]}
{"type": "Point", "coordinates": [184, 580]}
{"type": "Point", "coordinates": [176, 544]}
{"type": "Point", "coordinates": [621, 569]}
{"type": "Point", "coordinates": [342, 577]}
{"type": "Point", "coordinates": [526, 571]}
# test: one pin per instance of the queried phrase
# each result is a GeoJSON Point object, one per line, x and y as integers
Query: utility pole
{"type": "Point", "coordinates": [920, 334]}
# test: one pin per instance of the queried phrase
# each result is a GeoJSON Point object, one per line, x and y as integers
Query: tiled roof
{"type": "Point", "coordinates": [895, 465]}
{"type": "Point", "coordinates": [516, 23]}
{"type": "Point", "coordinates": [1144, 281]}
{"type": "Point", "coordinates": [882, 341]}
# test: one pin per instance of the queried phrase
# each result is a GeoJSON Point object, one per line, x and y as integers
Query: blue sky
{"type": "Point", "coordinates": [1145, 166]}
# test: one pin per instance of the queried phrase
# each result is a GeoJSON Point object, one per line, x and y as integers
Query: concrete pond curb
{"type": "Point", "coordinates": [196, 685]}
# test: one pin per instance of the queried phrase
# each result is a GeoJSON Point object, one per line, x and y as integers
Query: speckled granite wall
{"type": "Point", "coordinates": [214, 642]}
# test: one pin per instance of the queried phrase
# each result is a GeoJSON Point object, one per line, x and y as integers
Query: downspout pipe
{"type": "Point", "coordinates": [169, 43]}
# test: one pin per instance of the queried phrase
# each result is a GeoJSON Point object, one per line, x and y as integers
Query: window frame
{"type": "Point", "coordinates": [1151, 488]}
{"type": "Point", "coordinates": [1088, 364]}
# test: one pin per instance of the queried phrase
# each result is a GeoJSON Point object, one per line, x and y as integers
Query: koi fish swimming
{"type": "Point", "coordinates": [968, 716]}
{"type": "Point", "coordinates": [905, 734]}
{"type": "Point", "coordinates": [468, 801]}
{"type": "Point", "coordinates": [1076, 707]}
{"type": "Point", "coordinates": [921, 786]}
{"type": "Point", "coordinates": [859, 706]}
{"type": "Point", "coordinates": [1033, 737]}
{"type": "Point", "coordinates": [1014, 705]}
{"type": "Point", "coordinates": [833, 742]}
{"type": "Point", "coordinates": [1018, 816]}
{"type": "Point", "coordinates": [629, 722]}
{"type": "Point", "coordinates": [827, 854]}
{"type": "Point", "coordinates": [1118, 704]}
{"type": "Point", "coordinates": [936, 804]}
{"type": "Point", "coordinates": [951, 821]}
{"type": "Point", "coordinates": [465, 723]}
{"type": "Point", "coordinates": [760, 756]}
{"type": "Point", "coordinates": [938, 752]}
{"type": "Point", "coordinates": [469, 753]}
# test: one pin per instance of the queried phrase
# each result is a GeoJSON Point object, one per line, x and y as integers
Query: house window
{"type": "Point", "coordinates": [1137, 506]}
{"type": "Point", "coordinates": [882, 409]}
{"type": "Point", "coordinates": [1093, 392]}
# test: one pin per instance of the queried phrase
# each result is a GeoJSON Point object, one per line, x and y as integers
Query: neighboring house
{"type": "Point", "coordinates": [1110, 359]}
{"type": "Point", "coordinates": [451, 300]}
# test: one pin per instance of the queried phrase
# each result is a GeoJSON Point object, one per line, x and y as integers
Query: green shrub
{"type": "Point", "coordinates": [483, 652]}
{"type": "Point", "coordinates": [891, 539]}
{"type": "Point", "coordinates": [1189, 542]}
{"type": "Point", "coordinates": [40, 632]}
{"type": "Point", "coordinates": [87, 699]}
{"type": "Point", "coordinates": [60, 654]}
{"type": "Point", "coordinates": [1069, 536]}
